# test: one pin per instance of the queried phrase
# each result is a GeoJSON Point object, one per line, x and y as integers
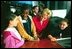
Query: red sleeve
{"type": "Point", "coordinates": [6, 34]}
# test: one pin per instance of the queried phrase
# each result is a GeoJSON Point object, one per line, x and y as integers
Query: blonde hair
{"type": "Point", "coordinates": [47, 11]}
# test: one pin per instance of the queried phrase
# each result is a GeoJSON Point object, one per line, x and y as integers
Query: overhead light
{"type": "Point", "coordinates": [13, 10]}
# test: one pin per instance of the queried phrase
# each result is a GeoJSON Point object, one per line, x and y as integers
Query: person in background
{"type": "Point", "coordinates": [11, 37]}
{"type": "Point", "coordinates": [41, 23]}
{"type": "Point", "coordinates": [35, 11]}
{"type": "Point", "coordinates": [27, 28]}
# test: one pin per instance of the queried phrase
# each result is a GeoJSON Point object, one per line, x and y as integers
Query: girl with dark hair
{"type": "Point", "coordinates": [11, 37]}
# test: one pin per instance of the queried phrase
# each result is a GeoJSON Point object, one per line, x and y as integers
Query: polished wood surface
{"type": "Point", "coordinates": [43, 43]}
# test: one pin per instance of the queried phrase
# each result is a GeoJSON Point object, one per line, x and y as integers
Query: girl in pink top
{"type": "Point", "coordinates": [11, 37]}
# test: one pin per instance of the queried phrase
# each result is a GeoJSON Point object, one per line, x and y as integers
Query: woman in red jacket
{"type": "Point", "coordinates": [42, 21]}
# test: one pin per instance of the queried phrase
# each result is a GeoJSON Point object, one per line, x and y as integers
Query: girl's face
{"type": "Point", "coordinates": [63, 25]}
{"type": "Point", "coordinates": [14, 22]}
{"type": "Point", "coordinates": [36, 9]}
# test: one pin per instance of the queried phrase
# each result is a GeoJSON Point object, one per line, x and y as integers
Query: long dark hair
{"type": "Point", "coordinates": [7, 19]}
{"type": "Point", "coordinates": [64, 20]}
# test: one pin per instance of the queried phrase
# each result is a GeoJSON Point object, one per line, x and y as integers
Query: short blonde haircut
{"type": "Point", "coordinates": [47, 11]}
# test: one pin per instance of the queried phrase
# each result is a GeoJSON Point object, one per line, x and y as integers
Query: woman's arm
{"type": "Point", "coordinates": [33, 28]}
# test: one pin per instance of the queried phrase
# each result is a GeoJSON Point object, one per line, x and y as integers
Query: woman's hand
{"type": "Point", "coordinates": [31, 38]}
{"type": "Point", "coordinates": [36, 38]}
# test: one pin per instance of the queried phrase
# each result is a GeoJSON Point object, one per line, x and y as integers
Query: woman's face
{"type": "Point", "coordinates": [14, 22]}
{"type": "Point", "coordinates": [63, 25]}
{"type": "Point", "coordinates": [45, 15]}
